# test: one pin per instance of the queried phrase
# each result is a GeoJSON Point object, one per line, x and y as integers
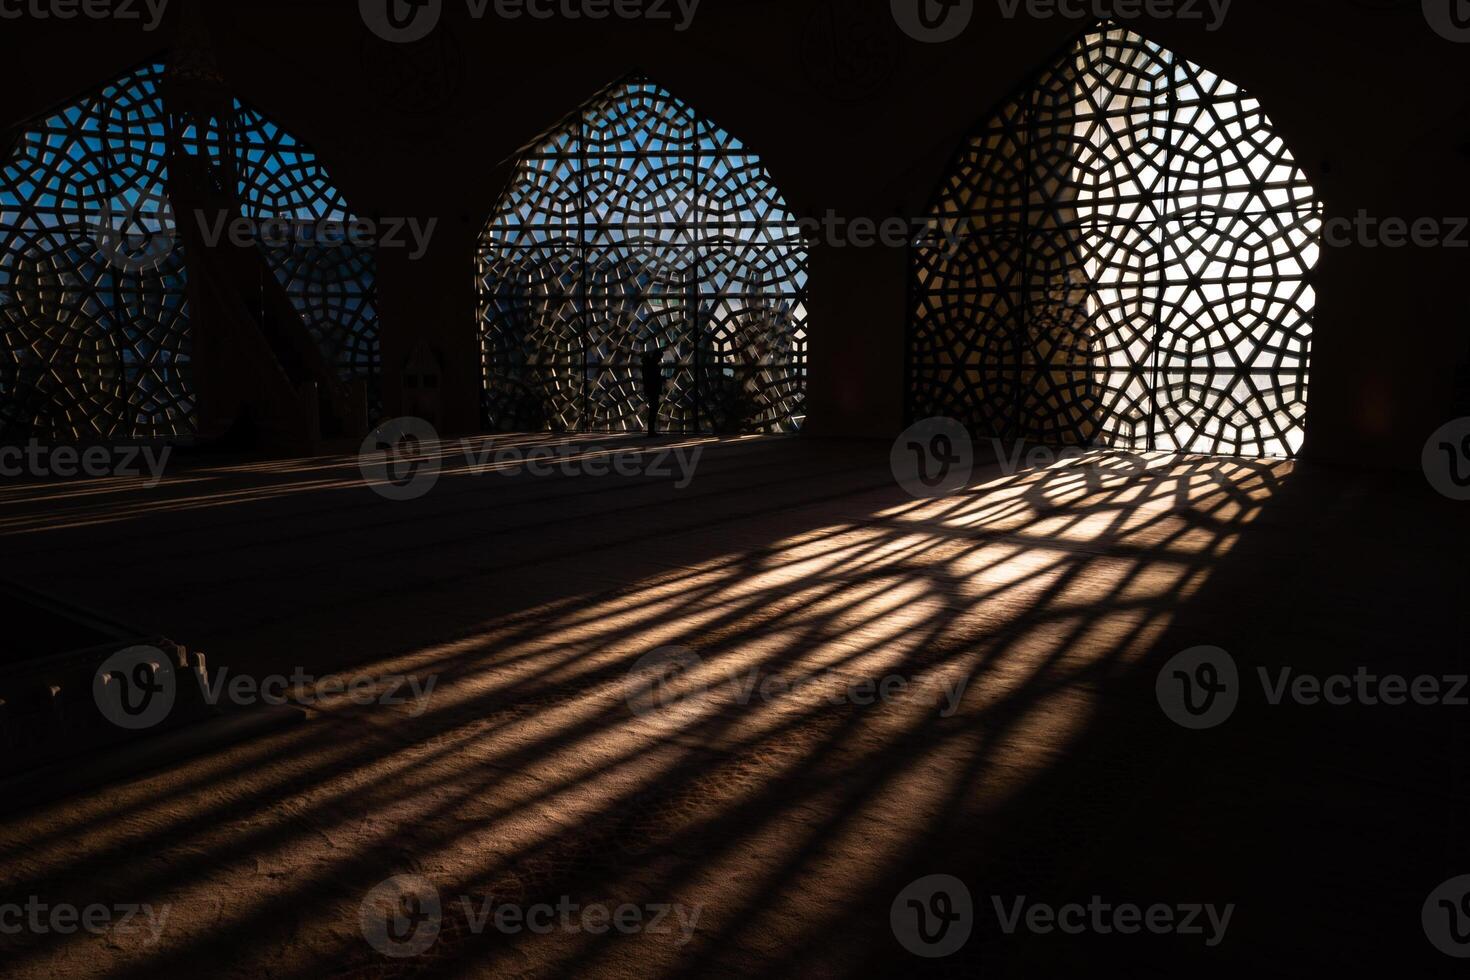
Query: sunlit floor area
{"type": "Point", "coordinates": [762, 689]}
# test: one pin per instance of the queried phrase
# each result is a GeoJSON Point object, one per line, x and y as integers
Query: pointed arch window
{"type": "Point", "coordinates": [637, 235]}
{"type": "Point", "coordinates": [1129, 254]}
{"type": "Point", "coordinates": [94, 318]}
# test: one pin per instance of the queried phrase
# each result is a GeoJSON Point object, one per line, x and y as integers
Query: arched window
{"type": "Point", "coordinates": [1126, 262]}
{"type": "Point", "coordinates": [91, 345]}
{"type": "Point", "coordinates": [634, 233]}
{"type": "Point", "coordinates": [94, 322]}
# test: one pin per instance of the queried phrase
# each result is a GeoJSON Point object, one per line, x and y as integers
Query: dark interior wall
{"type": "Point", "coordinates": [852, 117]}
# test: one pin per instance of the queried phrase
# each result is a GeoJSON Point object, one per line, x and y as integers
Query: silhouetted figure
{"type": "Point", "coordinates": [653, 386]}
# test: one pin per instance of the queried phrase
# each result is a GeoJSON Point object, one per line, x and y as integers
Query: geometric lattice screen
{"type": "Point", "coordinates": [637, 229]}
{"type": "Point", "coordinates": [91, 347]}
{"type": "Point", "coordinates": [95, 337]}
{"type": "Point", "coordinates": [1134, 253]}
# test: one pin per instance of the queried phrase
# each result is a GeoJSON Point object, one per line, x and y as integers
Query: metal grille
{"type": "Point", "coordinates": [637, 229]}
{"type": "Point", "coordinates": [1126, 262]}
{"type": "Point", "coordinates": [94, 326]}
{"type": "Point", "coordinates": [94, 323]}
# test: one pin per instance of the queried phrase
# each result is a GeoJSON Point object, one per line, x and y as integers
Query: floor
{"type": "Point", "coordinates": [765, 702]}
